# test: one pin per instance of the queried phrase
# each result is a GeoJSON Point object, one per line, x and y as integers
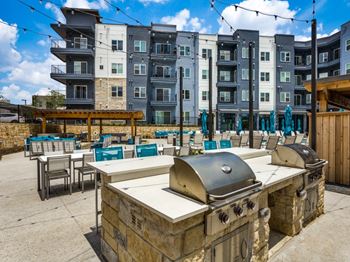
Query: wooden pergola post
{"type": "Point", "coordinates": [101, 129]}
{"type": "Point", "coordinates": [132, 126]}
{"type": "Point", "coordinates": [89, 128]}
{"type": "Point", "coordinates": [323, 102]}
{"type": "Point", "coordinates": [64, 126]}
{"type": "Point", "coordinates": [43, 125]}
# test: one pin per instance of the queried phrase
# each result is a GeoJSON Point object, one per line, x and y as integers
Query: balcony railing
{"type": "Point", "coordinates": [64, 69]}
{"type": "Point", "coordinates": [76, 44]}
{"type": "Point", "coordinates": [79, 101]}
{"type": "Point", "coordinates": [58, 44]}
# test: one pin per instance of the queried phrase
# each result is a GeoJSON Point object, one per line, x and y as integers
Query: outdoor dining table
{"type": "Point", "coordinates": [76, 156]}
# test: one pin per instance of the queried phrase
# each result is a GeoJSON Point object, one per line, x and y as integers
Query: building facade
{"type": "Point", "coordinates": [127, 67]}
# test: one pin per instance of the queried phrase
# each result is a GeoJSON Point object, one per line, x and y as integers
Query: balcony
{"type": "Point", "coordinates": [163, 101]}
{"type": "Point", "coordinates": [79, 101]}
{"type": "Point", "coordinates": [330, 63]}
{"type": "Point", "coordinates": [164, 52]}
{"type": "Point", "coordinates": [226, 84]}
{"type": "Point", "coordinates": [62, 49]}
{"type": "Point", "coordinates": [222, 62]}
{"type": "Point", "coordinates": [63, 73]}
{"type": "Point", "coordinates": [164, 79]}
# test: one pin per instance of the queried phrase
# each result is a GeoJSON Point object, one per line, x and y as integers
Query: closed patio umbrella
{"type": "Point", "coordinates": [204, 122]}
{"type": "Point", "coordinates": [282, 127]}
{"type": "Point", "coordinates": [288, 121]}
{"type": "Point", "coordinates": [239, 126]}
{"type": "Point", "coordinates": [263, 124]}
{"type": "Point", "coordinates": [299, 125]}
{"type": "Point", "coordinates": [272, 122]}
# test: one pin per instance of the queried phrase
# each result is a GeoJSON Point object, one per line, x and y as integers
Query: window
{"type": "Point", "coordinates": [139, 92]}
{"type": "Point", "coordinates": [117, 68]}
{"type": "Point", "coordinates": [285, 56]}
{"type": "Point", "coordinates": [336, 53]}
{"type": "Point", "coordinates": [347, 45]}
{"type": "Point", "coordinates": [204, 73]}
{"type": "Point", "coordinates": [80, 92]}
{"type": "Point", "coordinates": [139, 69]}
{"type": "Point", "coordinates": [245, 52]}
{"type": "Point", "coordinates": [163, 94]}
{"type": "Point", "coordinates": [323, 57]}
{"type": "Point", "coordinates": [224, 76]}
{"type": "Point", "coordinates": [308, 99]}
{"type": "Point", "coordinates": [80, 42]}
{"type": "Point", "coordinates": [186, 73]}
{"type": "Point", "coordinates": [245, 95]}
{"type": "Point", "coordinates": [185, 50]}
{"type": "Point", "coordinates": [206, 53]}
{"type": "Point", "coordinates": [323, 75]}
{"type": "Point", "coordinates": [163, 49]}
{"type": "Point", "coordinates": [140, 46]}
{"type": "Point", "coordinates": [308, 77]}
{"type": "Point", "coordinates": [162, 117]}
{"type": "Point", "coordinates": [163, 71]}
{"type": "Point", "coordinates": [297, 99]}
{"type": "Point", "coordinates": [101, 67]}
{"type": "Point", "coordinates": [336, 72]}
{"type": "Point", "coordinates": [186, 116]}
{"type": "Point", "coordinates": [245, 74]}
{"type": "Point", "coordinates": [347, 69]}
{"type": "Point", "coordinates": [265, 76]}
{"type": "Point", "coordinates": [285, 77]}
{"type": "Point", "coordinates": [117, 45]}
{"type": "Point", "coordinates": [224, 96]}
{"type": "Point", "coordinates": [205, 95]}
{"type": "Point", "coordinates": [298, 80]}
{"type": "Point", "coordinates": [265, 56]}
{"type": "Point", "coordinates": [285, 97]}
{"type": "Point", "coordinates": [117, 91]}
{"type": "Point", "coordinates": [298, 60]}
{"type": "Point", "coordinates": [264, 97]}
{"type": "Point", "coordinates": [80, 67]}
{"type": "Point", "coordinates": [308, 59]}
{"type": "Point", "coordinates": [186, 94]}
{"type": "Point", "coordinates": [225, 55]}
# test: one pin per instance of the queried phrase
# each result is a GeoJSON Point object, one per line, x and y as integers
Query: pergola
{"type": "Point", "coordinates": [334, 90]}
{"type": "Point", "coordinates": [89, 115]}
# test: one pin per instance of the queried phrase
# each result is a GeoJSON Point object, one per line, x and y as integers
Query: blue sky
{"type": "Point", "coordinates": [25, 57]}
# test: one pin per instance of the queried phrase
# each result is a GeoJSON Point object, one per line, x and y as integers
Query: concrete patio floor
{"type": "Point", "coordinates": [62, 228]}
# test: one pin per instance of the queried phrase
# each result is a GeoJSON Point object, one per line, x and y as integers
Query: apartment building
{"type": "Point", "coordinates": [207, 47]}
{"type": "Point", "coordinates": [76, 50]}
{"type": "Point", "coordinates": [126, 67]}
{"type": "Point", "coordinates": [110, 67]}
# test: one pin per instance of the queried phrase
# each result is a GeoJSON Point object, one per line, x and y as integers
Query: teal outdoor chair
{"type": "Point", "coordinates": [225, 143]}
{"type": "Point", "coordinates": [146, 150]}
{"type": "Point", "coordinates": [210, 145]}
{"type": "Point", "coordinates": [109, 153]}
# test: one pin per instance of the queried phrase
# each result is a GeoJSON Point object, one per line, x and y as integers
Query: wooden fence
{"type": "Point", "coordinates": [333, 144]}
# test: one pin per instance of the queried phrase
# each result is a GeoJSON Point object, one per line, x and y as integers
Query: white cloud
{"type": "Point", "coordinates": [183, 21]}
{"type": "Point", "coordinates": [147, 2]}
{"type": "Point", "coordinates": [42, 42]}
{"type": "Point", "coordinates": [319, 35]}
{"type": "Point", "coordinates": [43, 91]}
{"type": "Point", "coordinates": [100, 4]}
{"type": "Point", "coordinates": [8, 53]}
{"type": "Point", "coordinates": [242, 19]}
{"type": "Point", "coordinates": [35, 74]}
{"type": "Point", "coordinates": [56, 10]}
{"type": "Point", "coordinates": [14, 92]}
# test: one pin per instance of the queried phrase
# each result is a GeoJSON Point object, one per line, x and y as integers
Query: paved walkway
{"type": "Point", "coordinates": [61, 229]}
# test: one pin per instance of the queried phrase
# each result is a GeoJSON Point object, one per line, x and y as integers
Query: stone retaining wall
{"type": "Point", "coordinates": [12, 135]}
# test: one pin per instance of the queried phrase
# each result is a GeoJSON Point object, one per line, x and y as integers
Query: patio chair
{"type": "Point", "coordinates": [236, 141]}
{"type": "Point", "coordinates": [85, 170]}
{"type": "Point", "coordinates": [170, 139]}
{"type": "Point", "coordinates": [225, 143]}
{"type": "Point", "coordinates": [244, 139]}
{"type": "Point", "coordinates": [184, 151]}
{"type": "Point", "coordinates": [137, 140]}
{"type": "Point", "coordinates": [109, 153]}
{"type": "Point", "coordinates": [257, 141]}
{"type": "Point", "coordinates": [146, 150]}
{"type": "Point", "coordinates": [272, 142]}
{"type": "Point", "coordinates": [198, 139]}
{"type": "Point", "coordinates": [217, 138]}
{"type": "Point", "coordinates": [68, 146]}
{"type": "Point", "coordinates": [58, 146]}
{"type": "Point", "coordinates": [36, 149]}
{"type": "Point", "coordinates": [299, 138]}
{"type": "Point", "coordinates": [169, 151]}
{"type": "Point", "coordinates": [58, 167]}
{"type": "Point", "coordinates": [289, 140]}
{"type": "Point", "coordinates": [128, 154]}
{"type": "Point", "coordinates": [186, 139]}
{"type": "Point", "coordinates": [226, 135]}
{"type": "Point", "coordinates": [47, 146]}
{"type": "Point", "coordinates": [210, 145]}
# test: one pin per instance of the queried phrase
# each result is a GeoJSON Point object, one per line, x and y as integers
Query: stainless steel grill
{"type": "Point", "coordinates": [221, 180]}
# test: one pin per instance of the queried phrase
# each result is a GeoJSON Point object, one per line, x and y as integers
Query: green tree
{"type": "Point", "coordinates": [55, 100]}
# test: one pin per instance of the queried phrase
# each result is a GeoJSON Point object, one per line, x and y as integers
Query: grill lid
{"type": "Point", "coordinates": [211, 177]}
{"type": "Point", "coordinates": [295, 155]}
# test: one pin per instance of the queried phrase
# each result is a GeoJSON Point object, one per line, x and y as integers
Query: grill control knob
{"type": "Point", "coordinates": [250, 204]}
{"type": "Point", "coordinates": [238, 210]}
{"type": "Point", "coordinates": [224, 218]}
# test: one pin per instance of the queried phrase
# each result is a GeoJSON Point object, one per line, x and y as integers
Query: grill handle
{"type": "Point", "coordinates": [316, 165]}
{"type": "Point", "coordinates": [220, 197]}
